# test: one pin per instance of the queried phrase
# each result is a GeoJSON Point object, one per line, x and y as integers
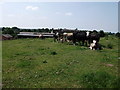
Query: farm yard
{"type": "Point", "coordinates": [37, 63]}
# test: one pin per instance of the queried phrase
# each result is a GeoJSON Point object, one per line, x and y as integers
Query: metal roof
{"type": "Point", "coordinates": [7, 35]}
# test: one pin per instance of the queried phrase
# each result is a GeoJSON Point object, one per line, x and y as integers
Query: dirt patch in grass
{"type": "Point", "coordinates": [109, 65]}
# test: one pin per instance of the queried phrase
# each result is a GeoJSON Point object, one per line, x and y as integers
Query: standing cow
{"type": "Point", "coordinates": [79, 36]}
{"type": "Point", "coordinates": [93, 36]}
{"type": "Point", "coordinates": [67, 37]}
{"type": "Point", "coordinates": [90, 36]}
{"type": "Point", "coordinates": [85, 37]}
{"type": "Point", "coordinates": [55, 36]}
{"type": "Point", "coordinates": [58, 36]}
{"type": "Point", "coordinates": [95, 45]}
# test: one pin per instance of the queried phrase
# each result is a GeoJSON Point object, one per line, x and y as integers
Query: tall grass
{"type": "Point", "coordinates": [35, 63]}
{"type": "Point", "coordinates": [110, 46]}
{"type": "Point", "coordinates": [100, 79]}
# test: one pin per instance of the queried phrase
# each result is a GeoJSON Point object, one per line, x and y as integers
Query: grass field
{"type": "Point", "coordinates": [36, 63]}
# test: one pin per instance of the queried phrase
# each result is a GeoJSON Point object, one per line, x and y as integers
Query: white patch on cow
{"type": "Point", "coordinates": [61, 39]}
{"type": "Point", "coordinates": [65, 33]}
{"type": "Point", "coordinates": [92, 45]}
{"type": "Point", "coordinates": [57, 33]}
{"type": "Point", "coordinates": [68, 40]}
{"type": "Point", "coordinates": [69, 34]}
{"type": "Point", "coordinates": [87, 33]}
{"type": "Point", "coordinates": [40, 35]}
{"type": "Point", "coordinates": [94, 41]}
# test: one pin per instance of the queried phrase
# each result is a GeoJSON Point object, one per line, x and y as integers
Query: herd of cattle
{"type": "Point", "coordinates": [88, 38]}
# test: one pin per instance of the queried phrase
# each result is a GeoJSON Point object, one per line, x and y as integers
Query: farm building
{"type": "Point", "coordinates": [34, 35]}
{"type": "Point", "coordinates": [6, 37]}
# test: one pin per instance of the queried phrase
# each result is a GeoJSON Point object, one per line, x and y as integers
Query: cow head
{"type": "Point", "coordinates": [92, 45]}
{"type": "Point", "coordinates": [87, 33]}
{"type": "Point", "coordinates": [94, 41]}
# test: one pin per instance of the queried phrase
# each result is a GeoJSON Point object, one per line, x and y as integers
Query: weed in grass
{"type": "Point", "coordinates": [53, 53]}
{"type": "Point", "coordinates": [44, 61]}
{"type": "Point", "coordinates": [103, 46]}
{"type": "Point", "coordinates": [110, 46]}
{"type": "Point", "coordinates": [106, 37]}
{"type": "Point", "coordinates": [39, 49]}
{"type": "Point", "coordinates": [99, 79]}
{"type": "Point", "coordinates": [24, 64]}
{"type": "Point", "coordinates": [42, 53]}
{"type": "Point", "coordinates": [105, 59]}
{"type": "Point", "coordinates": [81, 48]}
{"type": "Point", "coordinates": [116, 83]}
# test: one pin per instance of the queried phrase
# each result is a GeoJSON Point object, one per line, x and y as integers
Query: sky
{"type": "Point", "coordinates": [70, 15]}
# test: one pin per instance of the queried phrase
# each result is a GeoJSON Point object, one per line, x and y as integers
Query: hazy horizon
{"type": "Point", "coordinates": [69, 15]}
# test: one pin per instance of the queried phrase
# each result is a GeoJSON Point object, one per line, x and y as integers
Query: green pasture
{"type": "Point", "coordinates": [36, 63]}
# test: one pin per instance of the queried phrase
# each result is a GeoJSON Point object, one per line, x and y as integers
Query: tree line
{"type": "Point", "coordinates": [15, 30]}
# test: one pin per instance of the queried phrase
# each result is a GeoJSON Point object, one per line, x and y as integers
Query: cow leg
{"type": "Point", "coordinates": [58, 39]}
{"type": "Point", "coordinates": [74, 42]}
{"type": "Point", "coordinates": [88, 41]}
{"type": "Point", "coordinates": [65, 38]}
{"type": "Point", "coordinates": [62, 39]}
{"type": "Point", "coordinates": [83, 42]}
{"type": "Point", "coordinates": [54, 40]}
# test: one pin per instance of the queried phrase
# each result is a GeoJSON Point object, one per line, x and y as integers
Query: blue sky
{"type": "Point", "coordinates": [71, 15]}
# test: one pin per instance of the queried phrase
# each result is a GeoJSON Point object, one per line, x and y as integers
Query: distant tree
{"type": "Point", "coordinates": [3, 29]}
{"type": "Point", "coordinates": [8, 30]}
{"type": "Point", "coordinates": [39, 30]}
{"type": "Point", "coordinates": [46, 30]}
{"type": "Point", "coordinates": [102, 34]}
{"type": "Point", "coordinates": [29, 30]}
{"type": "Point", "coordinates": [16, 30]}
{"type": "Point", "coordinates": [118, 34]}
{"type": "Point", "coordinates": [51, 30]}
{"type": "Point", "coordinates": [34, 30]}
{"type": "Point", "coordinates": [42, 30]}
{"type": "Point", "coordinates": [110, 33]}
{"type": "Point", "coordinates": [12, 31]}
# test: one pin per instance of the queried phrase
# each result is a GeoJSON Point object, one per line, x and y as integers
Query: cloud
{"type": "Point", "coordinates": [10, 15]}
{"type": "Point", "coordinates": [31, 8]}
{"type": "Point", "coordinates": [43, 17]}
{"type": "Point", "coordinates": [58, 13]}
{"type": "Point", "coordinates": [68, 14]}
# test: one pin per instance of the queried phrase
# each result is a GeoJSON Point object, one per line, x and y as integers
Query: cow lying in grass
{"type": "Point", "coordinates": [95, 45]}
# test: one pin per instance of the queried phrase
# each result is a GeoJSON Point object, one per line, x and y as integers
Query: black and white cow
{"type": "Point", "coordinates": [55, 36]}
{"type": "Point", "coordinates": [95, 45]}
{"type": "Point", "coordinates": [93, 36]}
{"type": "Point", "coordinates": [58, 36]}
{"type": "Point", "coordinates": [79, 36]}
{"type": "Point", "coordinates": [67, 37]}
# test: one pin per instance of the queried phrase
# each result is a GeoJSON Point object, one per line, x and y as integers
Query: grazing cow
{"type": "Point", "coordinates": [94, 36]}
{"type": "Point", "coordinates": [85, 37]}
{"type": "Point", "coordinates": [67, 37]}
{"type": "Point", "coordinates": [58, 36]}
{"type": "Point", "coordinates": [41, 36]}
{"type": "Point", "coordinates": [79, 36]}
{"type": "Point", "coordinates": [55, 36]}
{"type": "Point", "coordinates": [95, 45]}
{"type": "Point", "coordinates": [90, 36]}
